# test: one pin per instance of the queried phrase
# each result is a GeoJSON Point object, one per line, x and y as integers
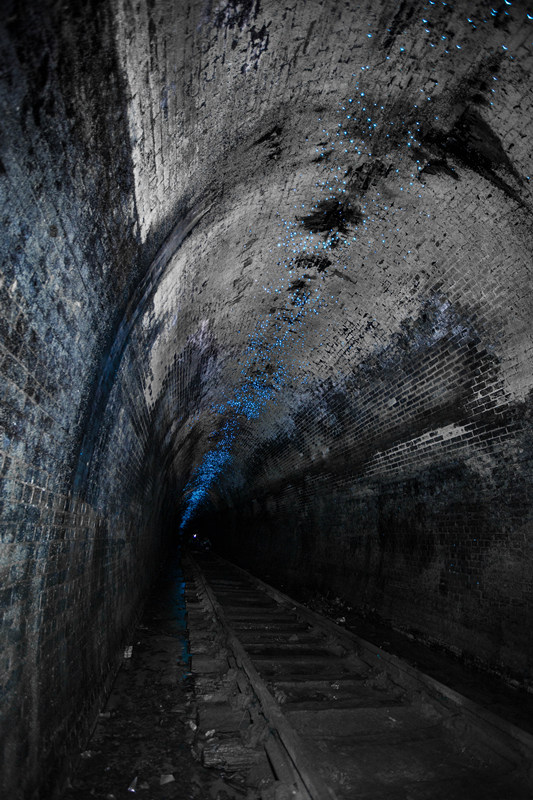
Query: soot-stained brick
{"type": "Point", "coordinates": [332, 218]}
{"type": "Point", "coordinates": [259, 40]}
{"type": "Point", "coordinates": [312, 261]}
{"type": "Point", "coordinates": [400, 20]}
{"type": "Point", "coordinates": [363, 177]}
{"type": "Point", "coordinates": [473, 143]}
{"type": "Point", "coordinates": [272, 141]}
{"type": "Point", "coordinates": [236, 13]}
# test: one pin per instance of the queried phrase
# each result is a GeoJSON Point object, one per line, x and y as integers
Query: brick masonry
{"type": "Point", "coordinates": [270, 269]}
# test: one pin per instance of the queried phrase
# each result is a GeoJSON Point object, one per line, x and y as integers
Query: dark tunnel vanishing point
{"type": "Point", "coordinates": [266, 276]}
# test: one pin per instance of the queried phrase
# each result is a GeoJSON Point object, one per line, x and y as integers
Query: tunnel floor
{"type": "Point", "coordinates": [489, 691]}
{"type": "Point", "coordinates": [142, 743]}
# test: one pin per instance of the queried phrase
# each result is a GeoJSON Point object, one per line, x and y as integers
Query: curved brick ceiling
{"type": "Point", "coordinates": [266, 272]}
{"type": "Point", "coordinates": [357, 184]}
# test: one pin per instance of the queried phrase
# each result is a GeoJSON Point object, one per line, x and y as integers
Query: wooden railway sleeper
{"type": "Point", "coordinates": [368, 717]}
{"type": "Point", "coordinates": [296, 775]}
{"type": "Point", "coordinates": [234, 754]}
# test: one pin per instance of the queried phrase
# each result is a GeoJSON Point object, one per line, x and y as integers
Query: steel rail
{"type": "Point", "coordinates": [508, 736]}
{"type": "Point", "coordinates": [297, 767]}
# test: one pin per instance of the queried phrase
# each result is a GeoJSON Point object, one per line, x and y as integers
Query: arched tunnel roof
{"type": "Point", "coordinates": [266, 273]}
{"type": "Point", "coordinates": [355, 186]}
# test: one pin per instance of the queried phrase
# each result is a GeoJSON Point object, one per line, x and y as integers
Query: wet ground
{"type": "Point", "coordinates": [142, 742]}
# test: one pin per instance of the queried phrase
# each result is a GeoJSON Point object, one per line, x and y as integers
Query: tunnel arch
{"type": "Point", "coordinates": [266, 269]}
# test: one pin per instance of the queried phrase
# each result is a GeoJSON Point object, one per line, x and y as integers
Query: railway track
{"type": "Point", "coordinates": [290, 705]}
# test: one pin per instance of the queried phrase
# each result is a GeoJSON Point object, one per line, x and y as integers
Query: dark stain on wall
{"type": "Point", "coordinates": [272, 140]}
{"type": "Point", "coordinates": [400, 21]}
{"type": "Point", "coordinates": [366, 175]}
{"type": "Point", "coordinates": [473, 143]}
{"type": "Point", "coordinates": [332, 218]}
{"type": "Point", "coordinates": [236, 13]}
{"type": "Point", "coordinates": [312, 261]}
{"type": "Point", "coordinates": [259, 40]}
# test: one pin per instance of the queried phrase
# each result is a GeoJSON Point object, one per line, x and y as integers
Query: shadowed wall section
{"type": "Point", "coordinates": [266, 274]}
{"type": "Point", "coordinates": [73, 565]}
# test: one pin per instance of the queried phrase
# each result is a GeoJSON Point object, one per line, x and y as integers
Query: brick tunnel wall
{"type": "Point", "coordinates": [396, 470]}
{"type": "Point", "coordinates": [421, 516]}
{"type": "Point", "coordinates": [340, 393]}
{"type": "Point", "coordinates": [76, 558]}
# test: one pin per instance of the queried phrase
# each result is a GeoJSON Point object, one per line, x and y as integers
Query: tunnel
{"type": "Point", "coordinates": [266, 282]}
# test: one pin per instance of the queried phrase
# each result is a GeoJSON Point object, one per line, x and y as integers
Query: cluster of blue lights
{"type": "Point", "coordinates": [500, 13]}
{"type": "Point", "coordinates": [362, 141]}
{"type": "Point", "coordinates": [213, 464]}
